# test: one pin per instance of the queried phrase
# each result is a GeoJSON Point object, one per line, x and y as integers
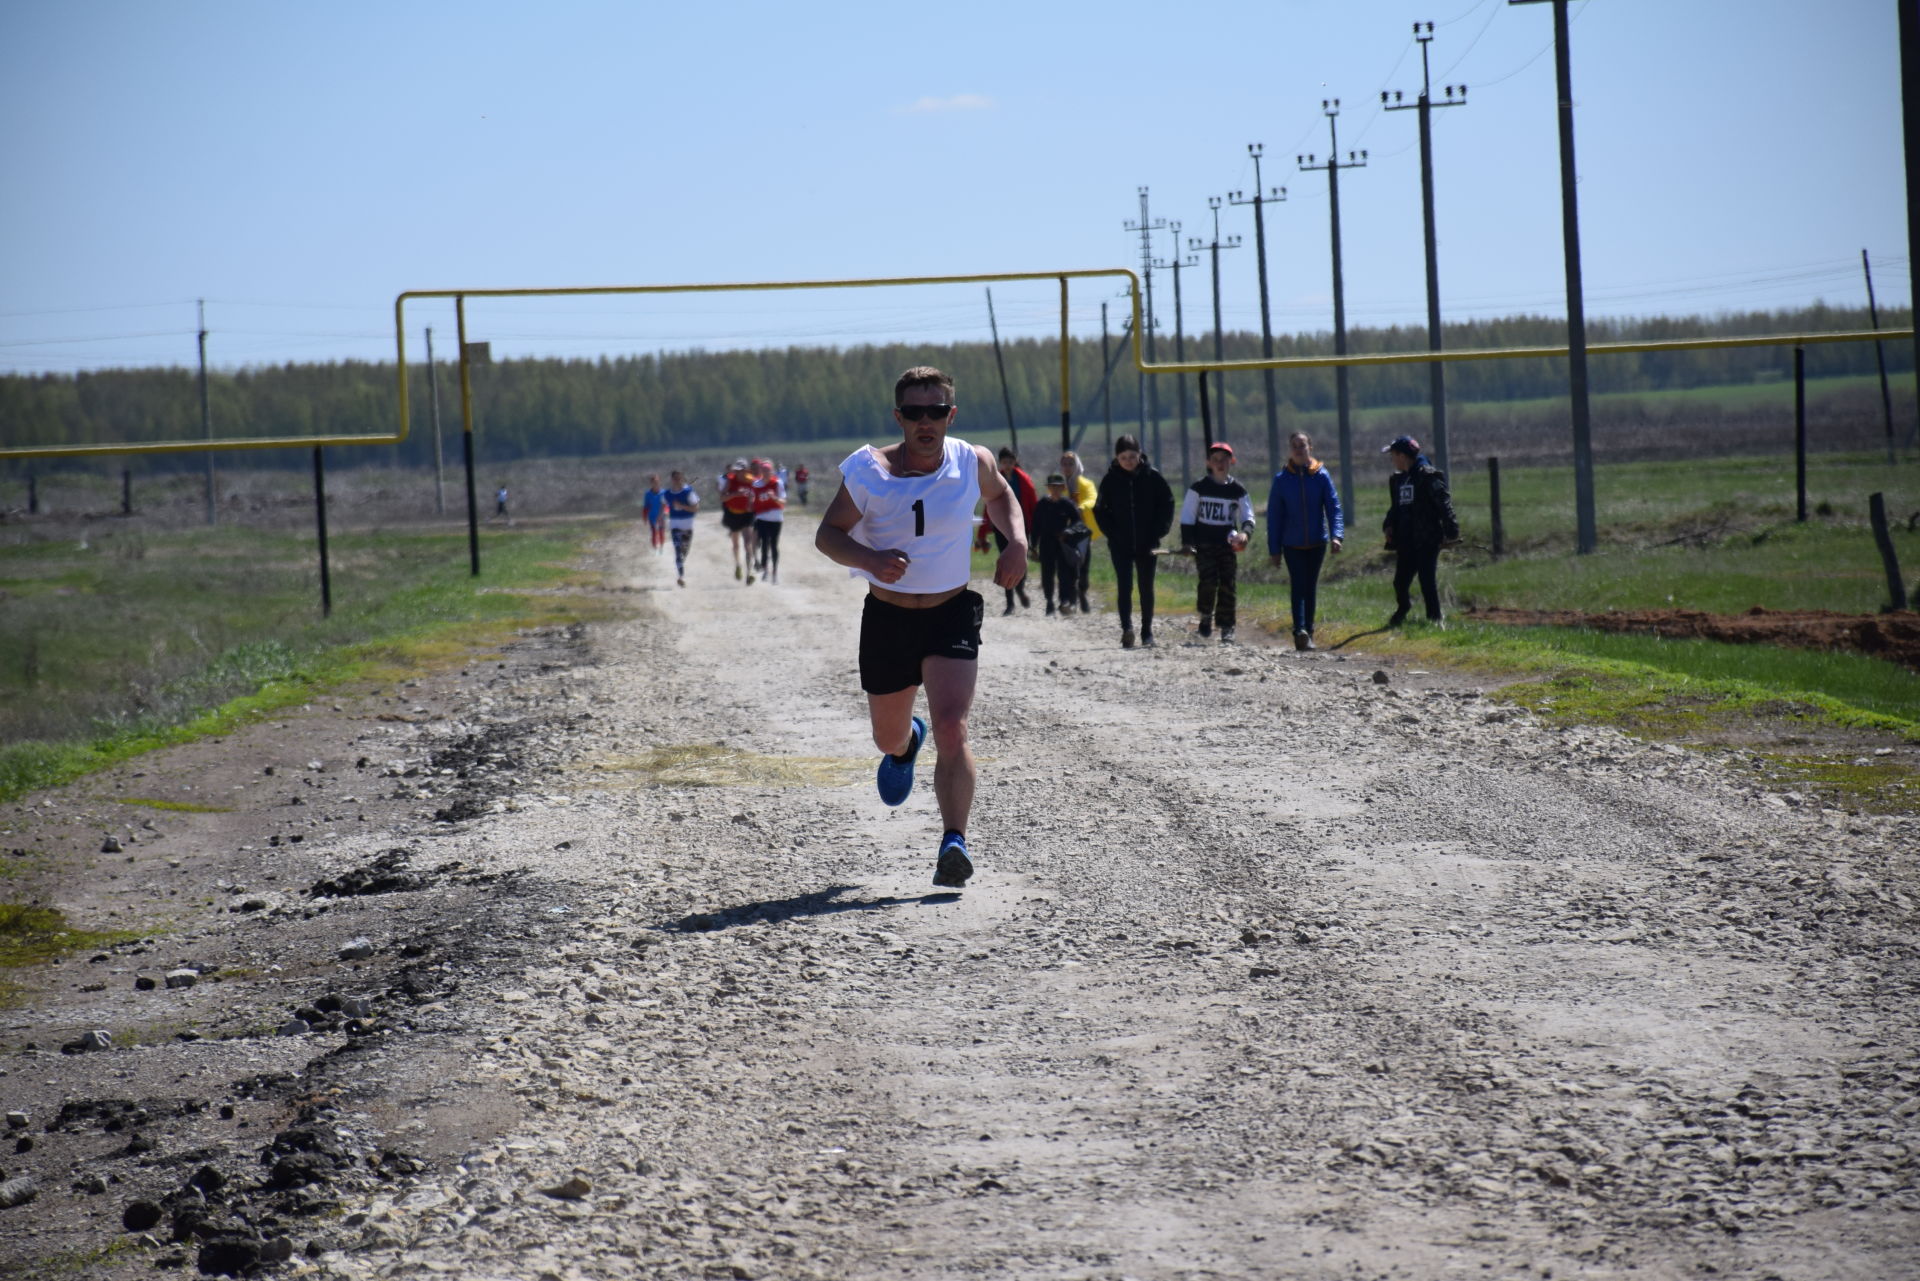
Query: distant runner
{"type": "Point", "coordinates": [682, 503]}
{"type": "Point", "coordinates": [769, 518]}
{"type": "Point", "coordinates": [903, 520]}
{"type": "Point", "coordinates": [655, 502]}
{"type": "Point", "coordinates": [736, 513]}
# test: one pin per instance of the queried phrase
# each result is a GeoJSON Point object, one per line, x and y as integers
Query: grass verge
{"type": "Point", "coordinates": [1718, 538]}
{"type": "Point", "coordinates": [408, 604]}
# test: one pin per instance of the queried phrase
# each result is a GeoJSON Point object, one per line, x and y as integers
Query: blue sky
{"type": "Point", "coordinates": [299, 165]}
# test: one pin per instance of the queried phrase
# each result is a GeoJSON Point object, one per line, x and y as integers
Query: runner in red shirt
{"type": "Point", "coordinates": [1009, 465]}
{"type": "Point", "coordinates": [769, 517]}
{"type": "Point", "coordinates": [736, 514]}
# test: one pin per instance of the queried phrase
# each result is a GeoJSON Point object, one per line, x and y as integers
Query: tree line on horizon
{"type": "Point", "coordinates": [547, 407]}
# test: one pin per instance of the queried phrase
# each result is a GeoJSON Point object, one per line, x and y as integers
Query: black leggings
{"type": "Point", "coordinates": [1127, 563]}
{"type": "Point", "coordinates": [769, 532]}
{"type": "Point", "coordinates": [682, 539]}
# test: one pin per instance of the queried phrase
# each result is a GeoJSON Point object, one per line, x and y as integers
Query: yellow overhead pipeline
{"type": "Point", "coordinates": [1140, 363]}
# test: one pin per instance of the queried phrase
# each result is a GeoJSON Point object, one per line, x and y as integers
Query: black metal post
{"type": "Point", "coordinates": [1006, 398]}
{"type": "Point", "coordinates": [1206, 413]}
{"type": "Point", "coordinates": [1576, 297]}
{"type": "Point", "coordinates": [466, 436]}
{"type": "Point", "coordinates": [33, 494]}
{"type": "Point", "coordinates": [126, 491]}
{"type": "Point", "coordinates": [1879, 355]}
{"type": "Point", "coordinates": [1896, 588]}
{"type": "Point", "coordinates": [1800, 430]}
{"type": "Point", "coordinates": [320, 519]}
{"type": "Point", "coordinates": [1499, 525]}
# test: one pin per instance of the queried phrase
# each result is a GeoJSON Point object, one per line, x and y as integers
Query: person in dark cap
{"type": "Point", "coordinates": [1420, 521]}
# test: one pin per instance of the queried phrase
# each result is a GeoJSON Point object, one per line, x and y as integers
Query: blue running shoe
{"type": "Point", "coordinates": [895, 776]}
{"type": "Point", "coordinates": [953, 867]}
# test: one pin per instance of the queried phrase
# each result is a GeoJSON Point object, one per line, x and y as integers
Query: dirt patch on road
{"type": "Point", "coordinates": [1894, 636]}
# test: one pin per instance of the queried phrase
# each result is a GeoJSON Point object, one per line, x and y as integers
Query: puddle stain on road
{"type": "Point", "coordinates": [711, 765]}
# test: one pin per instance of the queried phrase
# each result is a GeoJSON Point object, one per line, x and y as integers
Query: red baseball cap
{"type": "Point", "coordinates": [1223, 446]}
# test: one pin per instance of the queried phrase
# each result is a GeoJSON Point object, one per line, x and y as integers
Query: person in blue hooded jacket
{"type": "Point", "coordinates": [1303, 521]}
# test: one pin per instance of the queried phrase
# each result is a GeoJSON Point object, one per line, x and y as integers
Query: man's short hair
{"type": "Point", "coordinates": [921, 376]}
{"type": "Point", "coordinates": [1007, 455]}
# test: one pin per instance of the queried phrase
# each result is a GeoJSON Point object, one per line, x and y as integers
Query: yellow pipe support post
{"type": "Point", "coordinates": [1066, 375]}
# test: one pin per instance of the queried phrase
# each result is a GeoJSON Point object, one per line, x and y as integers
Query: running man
{"type": "Point", "coordinates": [655, 502]}
{"type": "Point", "coordinates": [736, 512]}
{"type": "Point", "coordinates": [769, 518]}
{"type": "Point", "coordinates": [682, 503]}
{"type": "Point", "coordinates": [903, 520]}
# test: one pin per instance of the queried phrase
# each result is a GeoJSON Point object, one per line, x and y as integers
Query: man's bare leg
{"type": "Point", "coordinates": [949, 685]}
{"type": "Point", "coordinates": [892, 718]}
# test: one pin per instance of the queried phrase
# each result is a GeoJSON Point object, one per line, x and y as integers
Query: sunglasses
{"type": "Point", "coordinates": [914, 413]}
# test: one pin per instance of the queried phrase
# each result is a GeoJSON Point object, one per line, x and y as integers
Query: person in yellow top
{"type": "Point", "coordinates": [1081, 489]}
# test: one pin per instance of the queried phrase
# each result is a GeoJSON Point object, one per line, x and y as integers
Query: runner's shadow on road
{"type": "Point", "coordinates": [819, 903]}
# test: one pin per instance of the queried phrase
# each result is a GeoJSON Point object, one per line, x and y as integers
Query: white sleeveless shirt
{"type": "Point", "coordinates": [928, 517]}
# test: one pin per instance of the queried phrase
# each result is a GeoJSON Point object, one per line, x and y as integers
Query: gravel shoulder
{"type": "Point", "coordinates": [1268, 970]}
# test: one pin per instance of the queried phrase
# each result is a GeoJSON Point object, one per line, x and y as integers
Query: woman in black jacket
{"type": "Point", "coordinates": [1134, 511]}
{"type": "Point", "coordinates": [1420, 521]}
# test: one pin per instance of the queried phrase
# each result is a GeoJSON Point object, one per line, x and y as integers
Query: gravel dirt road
{"type": "Point", "coordinates": [1268, 970]}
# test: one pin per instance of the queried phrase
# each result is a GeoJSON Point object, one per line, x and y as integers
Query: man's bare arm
{"type": "Point", "coordinates": [836, 542]}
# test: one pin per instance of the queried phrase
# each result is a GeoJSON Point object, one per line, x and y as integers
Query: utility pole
{"type": "Point", "coordinates": [1106, 384]}
{"type": "Point", "coordinates": [439, 470]}
{"type": "Point", "coordinates": [1263, 196]}
{"type": "Point", "coordinates": [1436, 372]}
{"type": "Point", "coordinates": [1587, 538]}
{"type": "Point", "coordinates": [1174, 264]}
{"type": "Point", "coordinates": [1879, 356]}
{"type": "Point", "coordinates": [206, 413]}
{"type": "Point", "coordinates": [1910, 135]}
{"type": "Point", "coordinates": [1151, 405]}
{"type": "Point", "coordinates": [1343, 394]}
{"type": "Point", "coordinates": [1006, 397]}
{"type": "Point", "coordinates": [1213, 248]}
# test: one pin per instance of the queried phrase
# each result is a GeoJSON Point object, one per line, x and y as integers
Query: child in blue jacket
{"type": "Point", "coordinates": [1303, 520]}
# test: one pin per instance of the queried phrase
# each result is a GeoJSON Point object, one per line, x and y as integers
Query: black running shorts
{"type": "Point", "coordinates": [893, 640]}
{"type": "Point", "coordinates": [736, 520]}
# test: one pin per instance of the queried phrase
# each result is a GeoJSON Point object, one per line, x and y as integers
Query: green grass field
{"type": "Point", "coordinates": [117, 643]}
{"type": "Point", "coordinates": [1719, 538]}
